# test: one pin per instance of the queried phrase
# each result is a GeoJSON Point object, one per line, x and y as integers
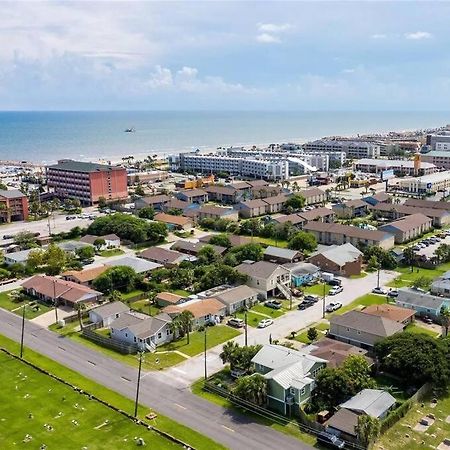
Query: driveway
{"type": "Point", "coordinates": [184, 374]}
{"type": "Point", "coordinates": [48, 318]}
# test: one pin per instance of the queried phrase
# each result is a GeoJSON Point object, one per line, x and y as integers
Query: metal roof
{"type": "Point", "coordinates": [373, 402]}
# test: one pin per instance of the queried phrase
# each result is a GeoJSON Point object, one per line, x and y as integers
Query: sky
{"type": "Point", "coordinates": [224, 55]}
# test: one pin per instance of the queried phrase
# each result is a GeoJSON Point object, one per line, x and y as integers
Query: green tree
{"type": "Point", "coordinates": [384, 258]}
{"type": "Point", "coordinates": [444, 315]}
{"type": "Point", "coordinates": [139, 190]}
{"type": "Point", "coordinates": [147, 212]}
{"type": "Point", "coordinates": [56, 259]}
{"type": "Point", "coordinates": [220, 239]}
{"type": "Point", "coordinates": [252, 388]}
{"type": "Point", "coordinates": [4, 274]}
{"type": "Point", "coordinates": [102, 202]}
{"type": "Point", "coordinates": [367, 429]}
{"type": "Point", "coordinates": [86, 252]}
{"type": "Point", "coordinates": [422, 282]}
{"type": "Point", "coordinates": [181, 278]}
{"type": "Point", "coordinates": [312, 334]}
{"type": "Point", "coordinates": [115, 296]}
{"type": "Point", "coordinates": [121, 278]}
{"type": "Point", "coordinates": [246, 252]}
{"type": "Point", "coordinates": [99, 243]}
{"type": "Point", "coordinates": [80, 307]}
{"type": "Point", "coordinates": [207, 255]}
{"type": "Point", "coordinates": [36, 258]}
{"type": "Point", "coordinates": [373, 262]}
{"type": "Point", "coordinates": [296, 202]}
{"type": "Point", "coordinates": [303, 241]}
{"type": "Point", "coordinates": [239, 357]}
{"type": "Point", "coordinates": [25, 240]}
{"type": "Point", "coordinates": [183, 322]}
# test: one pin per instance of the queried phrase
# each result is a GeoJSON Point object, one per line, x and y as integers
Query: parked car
{"type": "Point", "coordinates": [236, 323]}
{"type": "Point", "coordinates": [392, 293]}
{"type": "Point", "coordinates": [427, 320]}
{"type": "Point", "coordinates": [303, 305]}
{"type": "Point", "coordinates": [8, 236]}
{"type": "Point", "coordinates": [335, 290]}
{"type": "Point", "coordinates": [335, 282]}
{"type": "Point", "coordinates": [333, 306]}
{"type": "Point", "coordinates": [311, 298]}
{"type": "Point", "coordinates": [330, 440]}
{"type": "Point", "coordinates": [274, 304]}
{"type": "Point", "coordinates": [379, 290]}
{"type": "Point", "coordinates": [265, 323]}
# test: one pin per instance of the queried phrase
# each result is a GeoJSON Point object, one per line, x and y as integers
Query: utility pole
{"type": "Point", "coordinates": [378, 277]}
{"type": "Point", "coordinates": [138, 385]}
{"type": "Point", "coordinates": [55, 300]}
{"type": "Point", "coordinates": [245, 329]}
{"type": "Point", "coordinates": [323, 300]}
{"type": "Point", "coordinates": [204, 352]}
{"type": "Point", "coordinates": [23, 329]}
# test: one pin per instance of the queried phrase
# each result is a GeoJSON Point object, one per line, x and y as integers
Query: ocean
{"type": "Point", "coordinates": [44, 137]}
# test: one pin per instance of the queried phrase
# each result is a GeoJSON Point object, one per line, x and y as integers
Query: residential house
{"type": "Point", "coordinates": [423, 303]}
{"type": "Point", "coordinates": [157, 202]}
{"type": "Point", "coordinates": [192, 248]}
{"type": "Point", "coordinates": [225, 195]}
{"type": "Point", "coordinates": [55, 290]}
{"type": "Point", "coordinates": [362, 329]}
{"type": "Point", "coordinates": [72, 246]}
{"type": "Point", "coordinates": [236, 298]}
{"type": "Point", "coordinates": [252, 208]}
{"type": "Point", "coordinates": [397, 254]}
{"type": "Point", "coordinates": [266, 277]}
{"type": "Point", "coordinates": [408, 228]}
{"type": "Point", "coordinates": [139, 265]}
{"type": "Point", "coordinates": [167, 298]}
{"type": "Point", "coordinates": [107, 313]}
{"type": "Point", "coordinates": [20, 257]}
{"type": "Point", "coordinates": [302, 273]}
{"type": "Point", "coordinates": [335, 233]}
{"type": "Point", "coordinates": [313, 196]}
{"type": "Point", "coordinates": [217, 212]}
{"type": "Point", "coordinates": [345, 260]}
{"type": "Point", "coordinates": [351, 209]}
{"type": "Point", "coordinates": [343, 424]}
{"type": "Point", "coordinates": [281, 255]}
{"type": "Point", "coordinates": [275, 204]}
{"type": "Point", "coordinates": [174, 222]}
{"type": "Point", "coordinates": [321, 214]}
{"type": "Point", "coordinates": [381, 197]}
{"type": "Point", "coordinates": [176, 204]}
{"type": "Point", "coordinates": [193, 196]}
{"type": "Point", "coordinates": [264, 192]}
{"type": "Point", "coordinates": [290, 376]}
{"type": "Point", "coordinates": [295, 220]}
{"type": "Point", "coordinates": [235, 240]}
{"type": "Point", "coordinates": [143, 331]}
{"type": "Point", "coordinates": [208, 310]}
{"type": "Point", "coordinates": [375, 403]}
{"type": "Point", "coordinates": [441, 285]}
{"type": "Point", "coordinates": [167, 258]}
{"type": "Point", "coordinates": [391, 312]}
{"type": "Point", "coordinates": [84, 276]}
{"type": "Point", "coordinates": [111, 240]}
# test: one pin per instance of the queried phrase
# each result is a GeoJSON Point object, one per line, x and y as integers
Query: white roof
{"type": "Point", "coordinates": [373, 402]}
{"type": "Point", "coordinates": [392, 163]}
{"type": "Point", "coordinates": [138, 264]}
{"type": "Point", "coordinates": [342, 254]}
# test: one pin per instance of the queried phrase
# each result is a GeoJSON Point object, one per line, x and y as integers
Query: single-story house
{"type": "Point", "coordinates": [238, 297]}
{"type": "Point", "coordinates": [168, 258]}
{"type": "Point", "coordinates": [20, 257]}
{"type": "Point", "coordinates": [423, 303]}
{"type": "Point", "coordinates": [351, 208]}
{"type": "Point", "coordinates": [217, 212]}
{"type": "Point", "coordinates": [322, 214]}
{"type": "Point", "coordinates": [441, 285]}
{"type": "Point", "coordinates": [141, 330]}
{"type": "Point", "coordinates": [282, 255]}
{"type": "Point", "coordinates": [72, 246]}
{"type": "Point", "coordinates": [111, 240]}
{"type": "Point", "coordinates": [252, 208]}
{"type": "Point", "coordinates": [362, 329]}
{"type": "Point", "coordinates": [343, 423]}
{"type": "Point", "coordinates": [375, 403]}
{"type": "Point", "coordinates": [208, 310]}
{"type": "Point", "coordinates": [290, 376]}
{"type": "Point", "coordinates": [138, 264]}
{"type": "Point", "coordinates": [193, 196]}
{"type": "Point", "coordinates": [174, 222]}
{"type": "Point", "coordinates": [266, 277]}
{"type": "Point", "coordinates": [167, 298]}
{"type": "Point", "coordinates": [345, 260]}
{"type": "Point", "coordinates": [313, 196]}
{"type": "Point", "coordinates": [155, 201]}
{"type": "Point", "coordinates": [107, 313]}
{"type": "Point", "coordinates": [235, 239]}
{"type": "Point", "coordinates": [408, 227]}
{"type": "Point", "coordinates": [192, 248]}
{"type": "Point", "coordinates": [55, 290]}
{"type": "Point", "coordinates": [84, 276]}
{"type": "Point", "coordinates": [392, 312]}
{"type": "Point", "coordinates": [302, 272]}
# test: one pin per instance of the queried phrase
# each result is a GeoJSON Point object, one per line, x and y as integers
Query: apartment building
{"type": "Point", "coordinates": [409, 227]}
{"type": "Point", "coordinates": [440, 158]}
{"type": "Point", "coordinates": [399, 166]}
{"type": "Point", "coordinates": [13, 206]}
{"type": "Point", "coordinates": [352, 149]}
{"type": "Point", "coordinates": [86, 181]}
{"type": "Point", "coordinates": [439, 141]}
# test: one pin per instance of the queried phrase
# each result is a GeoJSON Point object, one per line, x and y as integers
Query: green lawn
{"type": "Point", "coordinates": [252, 318]}
{"type": "Point", "coordinates": [163, 423]}
{"type": "Point", "coordinates": [317, 289]}
{"type": "Point", "coordinates": [361, 302]}
{"type": "Point", "coordinates": [75, 421]}
{"type": "Point", "coordinates": [416, 328]}
{"type": "Point", "coordinates": [31, 311]}
{"type": "Point", "coordinates": [214, 336]}
{"type": "Point", "coordinates": [361, 275]}
{"type": "Point", "coordinates": [273, 313]}
{"type": "Point", "coordinates": [126, 296]}
{"type": "Point", "coordinates": [270, 241]}
{"type": "Point", "coordinates": [144, 307]}
{"type": "Point", "coordinates": [406, 277]}
{"type": "Point", "coordinates": [302, 335]}
{"type": "Point", "coordinates": [181, 292]}
{"type": "Point", "coordinates": [152, 361]}
{"type": "Point", "coordinates": [112, 252]}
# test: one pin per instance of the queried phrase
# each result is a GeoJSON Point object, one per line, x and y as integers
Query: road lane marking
{"type": "Point", "coordinates": [91, 362]}
{"type": "Point", "coordinates": [180, 406]}
{"type": "Point", "coordinates": [179, 370]}
{"type": "Point", "coordinates": [62, 348]}
{"type": "Point", "coordinates": [125, 378]}
{"type": "Point", "coordinates": [228, 428]}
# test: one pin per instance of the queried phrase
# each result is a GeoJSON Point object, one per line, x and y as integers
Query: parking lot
{"type": "Point", "coordinates": [428, 251]}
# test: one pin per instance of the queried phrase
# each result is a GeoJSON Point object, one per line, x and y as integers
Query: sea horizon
{"type": "Point", "coordinates": [46, 136]}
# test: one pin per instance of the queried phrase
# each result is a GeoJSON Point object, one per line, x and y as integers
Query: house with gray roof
{"type": "Point", "coordinates": [351, 208]}
{"type": "Point", "coordinates": [302, 272]}
{"type": "Point", "coordinates": [375, 403]}
{"type": "Point", "coordinates": [345, 260]}
{"type": "Point", "coordinates": [238, 297]}
{"type": "Point", "coordinates": [20, 257]}
{"type": "Point", "coordinates": [107, 313]}
{"type": "Point", "coordinates": [138, 264]}
{"type": "Point", "coordinates": [423, 303]}
{"type": "Point", "coordinates": [408, 227]}
{"type": "Point", "coordinates": [362, 329]}
{"type": "Point", "coordinates": [282, 255]}
{"type": "Point", "coordinates": [290, 376]}
{"type": "Point", "coordinates": [72, 246]}
{"type": "Point", "coordinates": [168, 258]}
{"type": "Point", "coordinates": [441, 285]}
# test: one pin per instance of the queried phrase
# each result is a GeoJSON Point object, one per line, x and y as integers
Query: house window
{"type": "Point", "coordinates": [358, 332]}
{"type": "Point", "coordinates": [292, 391]}
{"type": "Point", "coordinates": [159, 335]}
{"type": "Point", "coordinates": [303, 391]}
{"type": "Point", "coordinates": [135, 339]}
{"type": "Point", "coordinates": [348, 329]}
{"type": "Point", "coordinates": [126, 334]}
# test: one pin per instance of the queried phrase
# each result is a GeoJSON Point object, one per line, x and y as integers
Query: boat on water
{"type": "Point", "coordinates": [130, 130]}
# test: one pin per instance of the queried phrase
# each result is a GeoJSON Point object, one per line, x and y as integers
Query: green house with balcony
{"type": "Point", "coordinates": [290, 376]}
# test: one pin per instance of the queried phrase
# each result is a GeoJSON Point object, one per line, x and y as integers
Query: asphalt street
{"type": "Point", "coordinates": [231, 429]}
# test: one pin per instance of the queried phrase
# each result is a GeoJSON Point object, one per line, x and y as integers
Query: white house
{"type": "Point", "coordinates": [107, 313]}
{"type": "Point", "coordinates": [111, 240]}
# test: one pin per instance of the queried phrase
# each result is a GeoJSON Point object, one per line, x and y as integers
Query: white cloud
{"type": "Point", "coordinates": [273, 28]}
{"type": "Point", "coordinates": [379, 36]}
{"type": "Point", "coordinates": [348, 71]}
{"type": "Point", "coordinates": [160, 78]}
{"type": "Point", "coordinates": [418, 35]}
{"type": "Point", "coordinates": [267, 38]}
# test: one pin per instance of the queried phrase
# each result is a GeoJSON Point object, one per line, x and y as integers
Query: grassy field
{"type": "Point", "coordinates": [302, 335]}
{"type": "Point", "coordinates": [163, 423]}
{"type": "Point", "coordinates": [273, 313]}
{"type": "Point", "coordinates": [401, 436]}
{"type": "Point", "coordinates": [317, 289]}
{"type": "Point", "coordinates": [252, 318]}
{"type": "Point", "coordinates": [112, 252]}
{"type": "Point", "coordinates": [416, 328]}
{"type": "Point", "coordinates": [270, 241]}
{"type": "Point", "coordinates": [361, 302]}
{"type": "Point", "coordinates": [407, 278]}
{"type": "Point", "coordinates": [70, 420]}
{"type": "Point", "coordinates": [214, 336]}
{"type": "Point", "coordinates": [126, 296]}
{"type": "Point", "coordinates": [30, 311]}
{"type": "Point", "coordinates": [144, 307]}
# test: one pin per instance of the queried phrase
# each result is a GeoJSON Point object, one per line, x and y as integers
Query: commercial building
{"type": "Point", "coordinates": [352, 149]}
{"type": "Point", "coordinates": [13, 205]}
{"type": "Point", "coordinates": [439, 141]}
{"type": "Point", "coordinates": [428, 184]}
{"type": "Point", "coordinates": [399, 166]}
{"type": "Point", "coordinates": [87, 182]}
{"type": "Point", "coordinates": [440, 158]}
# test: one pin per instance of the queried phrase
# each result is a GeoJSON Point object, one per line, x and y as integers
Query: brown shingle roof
{"type": "Point", "coordinates": [408, 210]}
{"type": "Point", "coordinates": [427, 203]}
{"type": "Point", "coordinates": [391, 312]}
{"type": "Point", "coordinates": [259, 269]}
{"type": "Point", "coordinates": [257, 203]}
{"type": "Point", "coordinates": [346, 230]}
{"type": "Point", "coordinates": [199, 308]}
{"type": "Point", "coordinates": [169, 297]}
{"type": "Point", "coordinates": [155, 199]}
{"type": "Point", "coordinates": [409, 222]}
{"type": "Point", "coordinates": [311, 192]}
{"type": "Point", "coordinates": [317, 213]}
{"type": "Point", "coordinates": [172, 219]}
{"type": "Point", "coordinates": [192, 192]}
{"type": "Point", "coordinates": [276, 199]}
{"type": "Point", "coordinates": [85, 275]}
{"type": "Point", "coordinates": [161, 255]}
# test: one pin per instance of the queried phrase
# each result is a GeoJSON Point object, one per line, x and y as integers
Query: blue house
{"type": "Point", "coordinates": [302, 273]}
{"type": "Point", "coordinates": [424, 303]}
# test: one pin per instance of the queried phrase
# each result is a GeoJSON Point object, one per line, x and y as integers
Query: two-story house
{"type": "Point", "coordinates": [290, 376]}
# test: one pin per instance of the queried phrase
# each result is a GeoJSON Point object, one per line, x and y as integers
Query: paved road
{"type": "Point", "coordinates": [184, 374]}
{"type": "Point", "coordinates": [231, 429]}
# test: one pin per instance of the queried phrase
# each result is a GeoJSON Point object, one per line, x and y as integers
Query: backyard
{"type": "Point", "coordinates": [111, 252]}
{"type": "Point", "coordinates": [32, 310]}
{"type": "Point", "coordinates": [302, 335]}
{"type": "Point", "coordinates": [407, 277]}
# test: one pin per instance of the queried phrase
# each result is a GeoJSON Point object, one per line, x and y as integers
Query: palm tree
{"type": "Point", "coordinates": [182, 324]}
{"type": "Point", "coordinates": [252, 388]}
{"type": "Point", "coordinates": [115, 296]}
{"type": "Point", "coordinates": [228, 351]}
{"type": "Point", "coordinates": [80, 307]}
{"type": "Point", "coordinates": [445, 319]}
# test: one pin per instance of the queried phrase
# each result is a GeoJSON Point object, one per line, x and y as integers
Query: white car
{"type": "Point", "coordinates": [265, 323]}
{"type": "Point", "coordinates": [335, 290]}
{"type": "Point", "coordinates": [333, 306]}
{"type": "Point", "coordinates": [379, 290]}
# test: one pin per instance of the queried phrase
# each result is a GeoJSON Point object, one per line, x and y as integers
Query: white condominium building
{"type": "Point", "coordinates": [353, 149]}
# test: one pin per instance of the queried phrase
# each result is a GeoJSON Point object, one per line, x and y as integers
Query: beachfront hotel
{"type": "Point", "coordinates": [87, 181]}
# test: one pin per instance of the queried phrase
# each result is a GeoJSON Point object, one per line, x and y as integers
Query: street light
{"type": "Point", "coordinates": [138, 384]}
{"type": "Point", "coordinates": [323, 299]}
